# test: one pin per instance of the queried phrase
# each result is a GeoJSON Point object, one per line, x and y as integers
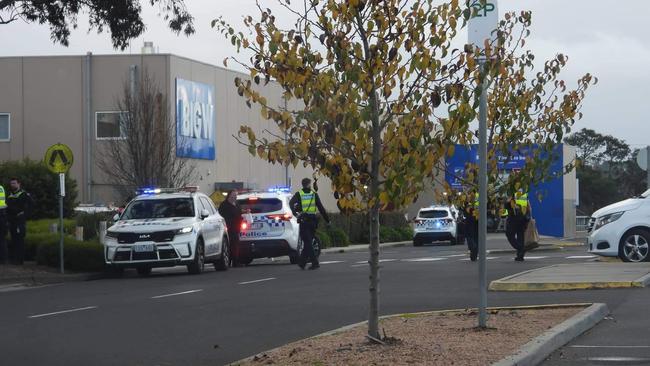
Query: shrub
{"type": "Point", "coordinates": [357, 226]}
{"type": "Point", "coordinates": [90, 223]}
{"type": "Point", "coordinates": [42, 185]}
{"type": "Point", "coordinates": [338, 236]}
{"type": "Point", "coordinates": [325, 241]}
{"type": "Point", "coordinates": [388, 234]}
{"type": "Point", "coordinates": [79, 256]}
{"type": "Point", "coordinates": [405, 233]}
{"type": "Point", "coordinates": [42, 226]}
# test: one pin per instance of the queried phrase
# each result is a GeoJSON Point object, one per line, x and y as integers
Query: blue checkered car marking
{"type": "Point", "coordinates": [271, 222]}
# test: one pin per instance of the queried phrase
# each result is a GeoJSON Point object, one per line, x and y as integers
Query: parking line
{"type": "Point", "coordinates": [454, 255]}
{"type": "Point", "coordinates": [331, 262]}
{"type": "Point", "coordinates": [541, 257]}
{"type": "Point", "coordinates": [425, 259]}
{"type": "Point", "coordinates": [488, 258]}
{"type": "Point", "coordinates": [581, 257]}
{"type": "Point", "coordinates": [177, 293]}
{"type": "Point", "coordinates": [580, 346]}
{"type": "Point", "coordinates": [62, 312]}
{"type": "Point", "coordinates": [256, 281]}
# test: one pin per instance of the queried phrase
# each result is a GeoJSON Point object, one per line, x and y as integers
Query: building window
{"type": "Point", "coordinates": [109, 125]}
{"type": "Point", "coordinates": [5, 127]}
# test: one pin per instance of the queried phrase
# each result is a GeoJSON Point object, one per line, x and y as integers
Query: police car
{"type": "Point", "coordinates": [269, 228]}
{"type": "Point", "coordinates": [168, 227]}
{"type": "Point", "coordinates": [437, 223]}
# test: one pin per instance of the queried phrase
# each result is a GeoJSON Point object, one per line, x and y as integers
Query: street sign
{"type": "Point", "coordinates": [484, 21]}
{"type": "Point", "coordinates": [58, 158]}
{"type": "Point", "coordinates": [642, 158]}
{"type": "Point", "coordinates": [62, 184]}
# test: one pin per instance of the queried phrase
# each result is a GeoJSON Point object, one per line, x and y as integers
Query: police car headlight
{"type": "Point", "coordinates": [111, 234]}
{"type": "Point", "coordinates": [185, 230]}
{"type": "Point", "coordinates": [602, 221]}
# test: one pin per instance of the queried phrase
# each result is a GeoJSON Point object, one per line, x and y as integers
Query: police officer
{"type": "Point", "coordinates": [518, 217]}
{"type": "Point", "coordinates": [471, 228]}
{"type": "Point", "coordinates": [4, 254]}
{"type": "Point", "coordinates": [19, 205]}
{"type": "Point", "coordinates": [304, 204]}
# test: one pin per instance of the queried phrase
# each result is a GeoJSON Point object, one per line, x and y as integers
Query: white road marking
{"type": "Point", "coordinates": [256, 281]}
{"type": "Point", "coordinates": [540, 257]}
{"type": "Point", "coordinates": [581, 257]}
{"type": "Point", "coordinates": [62, 312]}
{"type": "Point", "coordinates": [331, 262]}
{"type": "Point", "coordinates": [380, 261]}
{"type": "Point", "coordinates": [617, 359]}
{"type": "Point", "coordinates": [488, 258]}
{"type": "Point", "coordinates": [425, 259]}
{"type": "Point", "coordinates": [581, 346]}
{"type": "Point", "coordinates": [177, 294]}
{"type": "Point", "coordinates": [454, 255]}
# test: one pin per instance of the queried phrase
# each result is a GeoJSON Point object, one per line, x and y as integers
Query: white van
{"type": "Point", "coordinates": [622, 230]}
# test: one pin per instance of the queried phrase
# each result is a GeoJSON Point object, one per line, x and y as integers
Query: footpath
{"type": "Point", "coordinates": [30, 274]}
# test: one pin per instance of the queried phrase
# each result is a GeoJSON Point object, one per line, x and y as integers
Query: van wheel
{"type": "Point", "coordinates": [634, 246]}
{"type": "Point", "coordinates": [196, 267]}
{"type": "Point", "coordinates": [224, 260]}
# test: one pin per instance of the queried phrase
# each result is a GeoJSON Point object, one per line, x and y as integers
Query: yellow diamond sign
{"type": "Point", "coordinates": [58, 158]}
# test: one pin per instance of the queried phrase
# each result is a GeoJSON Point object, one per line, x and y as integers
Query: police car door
{"type": "Point", "coordinates": [210, 228]}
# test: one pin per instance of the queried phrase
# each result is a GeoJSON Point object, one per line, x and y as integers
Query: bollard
{"type": "Point", "coordinates": [54, 228]}
{"type": "Point", "coordinates": [79, 233]}
{"type": "Point", "coordinates": [102, 231]}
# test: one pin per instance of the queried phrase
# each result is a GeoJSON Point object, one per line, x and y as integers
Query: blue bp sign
{"type": "Point", "coordinates": [546, 198]}
{"type": "Point", "coordinates": [195, 120]}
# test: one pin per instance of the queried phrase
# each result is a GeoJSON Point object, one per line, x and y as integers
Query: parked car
{"type": "Point", "coordinates": [438, 223]}
{"type": "Point", "coordinates": [163, 228]}
{"type": "Point", "coordinates": [622, 230]}
{"type": "Point", "coordinates": [269, 228]}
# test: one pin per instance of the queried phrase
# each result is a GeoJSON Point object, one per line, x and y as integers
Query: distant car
{"type": "Point", "coordinates": [164, 228]}
{"type": "Point", "coordinates": [622, 230]}
{"type": "Point", "coordinates": [437, 223]}
{"type": "Point", "coordinates": [269, 229]}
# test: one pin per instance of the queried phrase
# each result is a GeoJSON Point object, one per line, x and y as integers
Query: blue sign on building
{"type": "Point", "coordinates": [195, 120]}
{"type": "Point", "coordinates": [546, 198]}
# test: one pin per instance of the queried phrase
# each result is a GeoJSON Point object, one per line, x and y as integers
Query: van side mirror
{"type": "Point", "coordinates": [204, 214]}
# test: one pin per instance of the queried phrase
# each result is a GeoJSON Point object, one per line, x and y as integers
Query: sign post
{"type": "Point", "coordinates": [643, 160]}
{"type": "Point", "coordinates": [58, 159]}
{"type": "Point", "coordinates": [483, 22]}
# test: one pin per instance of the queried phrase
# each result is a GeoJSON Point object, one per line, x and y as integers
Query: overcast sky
{"type": "Point", "coordinates": [605, 38]}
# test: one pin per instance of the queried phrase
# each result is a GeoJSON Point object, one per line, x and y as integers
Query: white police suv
{"type": "Point", "coordinates": [437, 223]}
{"type": "Point", "coordinates": [168, 227]}
{"type": "Point", "coordinates": [269, 228]}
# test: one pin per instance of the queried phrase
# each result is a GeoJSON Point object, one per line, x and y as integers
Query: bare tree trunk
{"type": "Point", "coordinates": [373, 310]}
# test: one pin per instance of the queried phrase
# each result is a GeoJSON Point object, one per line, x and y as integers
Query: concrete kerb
{"type": "Point", "coordinates": [537, 350]}
{"type": "Point", "coordinates": [524, 350]}
{"type": "Point", "coordinates": [503, 284]}
{"type": "Point", "coordinates": [45, 279]}
{"type": "Point", "coordinates": [361, 247]}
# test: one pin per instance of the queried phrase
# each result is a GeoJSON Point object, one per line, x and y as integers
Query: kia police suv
{"type": "Point", "coordinates": [437, 223]}
{"type": "Point", "coordinates": [269, 228]}
{"type": "Point", "coordinates": [168, 227]}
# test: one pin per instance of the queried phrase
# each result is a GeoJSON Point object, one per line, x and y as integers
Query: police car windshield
{"type": "Point", "coordinates": [260, 205]}
{"type": "Point", "coordinates": [433, 214]}
{"type": "Point", "coordinates": [159, 208]}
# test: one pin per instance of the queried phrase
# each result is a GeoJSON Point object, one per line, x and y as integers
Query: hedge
{"type": "Point", "coordinates": [357, 226]}
{"type": "Point", "coordinates": [42, 185]}
{"type": "Point", "coordinates": [42, 226]}
{"type": "Point", "coordinates": [85, 256]}
{"type": "Point", "coordinates": [325, 241]}
{"type": "Point", "coordinates": [90, 223]}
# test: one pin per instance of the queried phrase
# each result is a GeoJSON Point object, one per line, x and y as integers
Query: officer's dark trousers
{"type": "Point", "coordinates": [307, 232]}
{"type": "Point", "coordinates": [515, 229]}
{"type": "Point", "coordinates": [233, 236]}
{"type": "Point", "coordinates": [17, 246]}
{"type": "Point", "coordinates": [471, 235]}
{"type": "Point", "coordinates": [4, 253]}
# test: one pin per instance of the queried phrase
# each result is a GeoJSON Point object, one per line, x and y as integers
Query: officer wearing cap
{"type": "Point", "coordinates": [304, 205]}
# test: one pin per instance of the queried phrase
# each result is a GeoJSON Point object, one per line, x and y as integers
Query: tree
{"type": "Point", "coordinates": [370, 77]}
{"type": "Point", "coordinates": [145, 156]}
{"type": "Point", "coordinates": [122, 18]}
{"type": "Point", "coordinates": [588, 144]}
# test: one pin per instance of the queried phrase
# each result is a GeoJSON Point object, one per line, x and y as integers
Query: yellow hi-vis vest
{"type": "Point", "coordinates": [3, 199]}
{"type": "Point", "coordinates": [308, 202]}
{"type": "Point", "coordinates": [522, 201]}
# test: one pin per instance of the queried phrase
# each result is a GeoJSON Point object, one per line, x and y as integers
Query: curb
{"type": "Point", "coordinates": [537, 350]}
{"type": "Point", "coordinates": [452, 311]}
{"type": "Point", "coordinates": [40, 279]}
{"type": "Point", "coordinates": [502, 284]}
{"type": "Point", "coordinates": [357, 248]}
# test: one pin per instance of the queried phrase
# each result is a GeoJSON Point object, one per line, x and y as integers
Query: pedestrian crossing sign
{"type": "Point", "coordinates": [58, 158]}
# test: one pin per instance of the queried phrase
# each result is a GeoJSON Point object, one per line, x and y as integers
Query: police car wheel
{"type": "Point", "coordinates": [223, 262]}
{"type": "Point", "coordinates": [196, 267]}
{"type": "Point", "coordinates": [417, 243]}
{"type": "Point", "coordinates": [144, 271]}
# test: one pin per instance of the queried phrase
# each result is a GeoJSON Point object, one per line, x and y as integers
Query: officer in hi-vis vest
{"type": "Point", "coordinates": [518, 217]}
{"type": "Point", "coordinates": [304, 205]}
{"type": "Point", "coordinates": [4, 255]}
